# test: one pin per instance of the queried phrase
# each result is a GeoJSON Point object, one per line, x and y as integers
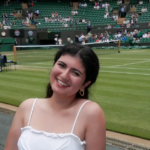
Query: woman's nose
{"type": "Point", "coordinates": [65, 74]}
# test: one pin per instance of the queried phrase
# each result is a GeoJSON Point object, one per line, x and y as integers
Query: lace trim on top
{"type": "Point", "coordinates": [52, 134]}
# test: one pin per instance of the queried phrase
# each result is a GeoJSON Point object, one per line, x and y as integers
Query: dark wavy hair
{"type": "Point", "coordinates": [90, 62]}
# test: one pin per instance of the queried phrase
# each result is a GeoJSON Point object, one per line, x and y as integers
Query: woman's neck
{"type": "Point", "coordinates": [59, 103]}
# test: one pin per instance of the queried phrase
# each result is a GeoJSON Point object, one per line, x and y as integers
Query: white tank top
{"type": "Point", "coordinates": [32, 139]}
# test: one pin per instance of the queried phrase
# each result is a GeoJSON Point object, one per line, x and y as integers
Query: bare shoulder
{"type": "Point", "coordinates": [95, 119]}
{"type": "Point", "coordinates": [92, 109]}
{"type": "Point", "coordinates": [26, 104]}
{"type": "Point", "coordinates": [25, 108]}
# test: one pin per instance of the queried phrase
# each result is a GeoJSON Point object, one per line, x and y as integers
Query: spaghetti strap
{"type": "Point", "coordinates": [78, 115]}
{"type": "Point", "coordinates": [32, 111]}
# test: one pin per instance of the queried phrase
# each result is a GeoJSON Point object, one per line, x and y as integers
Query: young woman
{"type": "Point", "coordinates": [65, 119]}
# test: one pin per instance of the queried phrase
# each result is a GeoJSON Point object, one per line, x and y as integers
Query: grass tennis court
{"type": "Point", "coordinates": [122, 88]}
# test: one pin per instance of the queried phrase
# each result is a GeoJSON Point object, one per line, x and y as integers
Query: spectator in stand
{"type": "Point", "coordinates": [144, 35]}
{"type": "Point", "coordinates": [65, 24]}
{"type": "Point", "coordinates": [128, 34]}
{"type": "Point", "coordinates": [122, 25]}
{"type": "Point", "coordinates": [108, 26]}
{"type": "Point", "coordinates": [136, 15]}
{"type": "Point", "coordinates": [106, 6]}
{"type": "Point", "coordinates": [106, 40]}
{"type": "Point", "coordinates": [74, 12]}
{"type": "Point", "coordinates": [3, 22]}
{"type": "Point", "coordinates": [32, 20]}
{"type": "Point", "coordinates": [95, 36]}
{"type": "Point", "coordinates": [79, 5]}
{"type": "Point", "coordinates": [37, 12]}
{"type": "Point", "coordinates": [14, 23]}
{"type": "Point", "coordinates": [134, 35]}
{"type": "Point", "coordinates": [71, 24]}
{"type": "Point", "coordinates": [125, 32]}
{"type": "Point", "coordinates": [124, 38]}
{"type": "Point", "coordinates": [140, 2]}
{"type": "Point", "coordinates": [119, 35]}
{"type": "Point", "coordinates": [89, 34]}
{"type": "Point", "coordinates": [32, 4]}
{"type": "Point", "coordinates": [56, 40]}
{"type": "Point", "coordinates": [27, 40]}
{"type": "Point", "coordinates": [32, 15]}
{"type": "Point", "coordinates": [132, 22]}
{"type": "Point", "coordinates": [96, 6]}
{"type": "Point", "coordinates": [103, 5]}
{"type": "Point", "coordinates": [140, 13]}
{"type": "Point", "coordinates": [89, 27]}
{"type": "Point", "coordinates": [135, 42]}
{"type": "Point", "coordinates": [113, 17]}
{"type": "Point", "coordinates": [82, 35]}
{"type": "Point", "coordinates": [53, 15]}
{"type": "Point", "coordinates": [148, 35]}
{"type": "Point", "coordinates": [136, 20]}
{"type": "Point", "coordinates": [29, 15]}
{"type": "Point", "coordinates": [16, 42]}
{"type": "Point", "coordinates": [69, 40]}
{"type": "Point", "coordinates": [56, 14]}
{"type": "Point", "coordinates": [106, 14]}
{"type": "Point", "coordinates": [83, 41]}
{"type": "Point", "coordinates": [6, 16]}
{"type": "Point", "coordinates": [76, 39]}
{"type": "Point", "coordinates": [138, 41]}
{"type": "Point", "coordinates": [97, 40]}
{"type": "Point", "coordinates": [149, 24]}
{"type": "Point", "coordinates": [3, 15]}
{"type": "Point", "coordinates": [83, 20]}
{"type": "Point", "coordinates": [27, 20]}
{"type": "Point", "coordinates": [116, 18]}
{"type": "Point", "coordinates": [84, 5]}
{"type": "Point", "coordinates": [128, 25]}
{"type": "Point", "coordinates": [126, 21]}
{"type": "Point", "coordinates": [119, 2]}
{"type": "Point", "coordinates": [80, 39]}
{"type": "Point", "coordinates": [60, 41]}
{"type": "Point", "coordinates": [100, 5]}
{"type": "Point", "coordinates": [7, 22]}
{"type": "Point", "coordinates": [144, 9]}
{"type": "Point", "coordinates": [123, 12]}
{"type": "Point", "coordinates": [11, 23]}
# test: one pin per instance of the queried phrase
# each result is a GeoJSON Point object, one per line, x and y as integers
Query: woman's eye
{"type": "Point", "coordinates": [76, 73]}
{"type": "Point", "coordinates": [61, 65]}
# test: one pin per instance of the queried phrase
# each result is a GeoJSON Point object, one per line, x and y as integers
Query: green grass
{"type": "Point", "coordinates": [122, 88]}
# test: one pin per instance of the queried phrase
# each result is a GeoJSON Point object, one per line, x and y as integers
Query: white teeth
{"type": "Point", "coordinates": [62, 83]}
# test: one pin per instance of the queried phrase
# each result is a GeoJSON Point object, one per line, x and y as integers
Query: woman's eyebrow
{"type": "Point", "coordinates": [75, 69]}
{"type": "Point", "coordinates": [62, 62]}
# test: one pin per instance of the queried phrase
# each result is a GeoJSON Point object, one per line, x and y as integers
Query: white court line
{"type": "Point", "coordinates": [41, 63]}
{"type": "Point", "coordinates": [33, 66]}
{"type": "Point", "coordinates": [99, 71]}
{"type": "Point", "coordinates": [123, 58]}
{"type": "Point", "coordinates": [125, 68]}
{"type": "Point", "coordinates": [131, 63]}
{"type": "Point", "coordinates": [127, 73]}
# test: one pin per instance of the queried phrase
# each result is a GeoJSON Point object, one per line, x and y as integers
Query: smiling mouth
{"type": "Point", "coordinates": [62, 83]}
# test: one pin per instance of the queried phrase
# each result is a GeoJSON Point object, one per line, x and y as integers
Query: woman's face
{"type": "Point", "coordinates": [67, 76]}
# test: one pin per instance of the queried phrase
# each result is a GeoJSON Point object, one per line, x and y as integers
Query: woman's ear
{"type": "Point", "coordinates": [86, 84]}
